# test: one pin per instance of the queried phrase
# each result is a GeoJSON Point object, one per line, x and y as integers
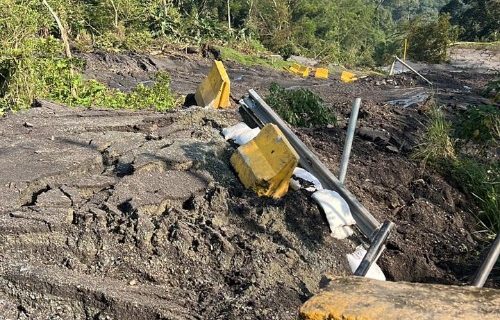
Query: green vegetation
{"type": "Point", "coordinates": [429, 40]}
{"type": "Point", "coordinates": [476, 177]}
{"type": "Point", "coordinates": [253, 59]}
{"type": "Point", "coordinates": [478, 19]}
{"type": "Point", "coordinates": [480, 123]}
{"type": "Point", "coordinates": [436, 144]}
{"type": "Point", "coordinates": [409, 9]}
{"type": "Point", "coordinates": [299, 107]}
{"type": "Point", "coordinates": [482, 182]}
{"type": "Point", "coordinates": [492, 89]}
{"type": "Point", "coordinates": [34, 64]}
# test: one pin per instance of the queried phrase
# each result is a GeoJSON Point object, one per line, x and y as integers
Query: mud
{"type": "Point", "coordinates": [100, 221]}
{"type": "Point", "coordinates": [138, 215]}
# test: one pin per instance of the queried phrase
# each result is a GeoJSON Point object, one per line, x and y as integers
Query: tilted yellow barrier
{"type": "Point", "coordinates": [214, 91]}
{"type": "Point", "coordinates": [300, 70]}
{"type": "Point", "coordinates": [321, 73]}
{"type": "Point", "coordinates": [266, 163]}
{"type": "Point", "coordinates": [348, 77]}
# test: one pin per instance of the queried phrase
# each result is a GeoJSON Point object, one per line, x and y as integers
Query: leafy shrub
{"type": "Point", "coordinates": [492, 90]}
{"type": "Point", "coordinates": [480, 123]}
{"type": "Point", "coordinates": [24, 77]}
{"type": "Point", "coordinates": [300, 107]}
{"type": "Point", "coordinates": [483, 183]}
{"type": "Point", "coordinates": [25, 74]}
{"type": "Point", "coordinates": [94, 93]}
{"type": "Point", "coordinates": [429, 40]}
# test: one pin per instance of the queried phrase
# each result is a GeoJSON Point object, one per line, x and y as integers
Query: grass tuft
{"type": "Point", "coordinates": [300, 107]}
{"type": "Point", "coordinates": [481, 181]}
{"type": "Point", "coordinates": [436, 143]}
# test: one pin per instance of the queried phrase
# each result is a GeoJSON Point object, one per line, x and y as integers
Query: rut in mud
{"type": "Point", "coordinates": [115, 214]}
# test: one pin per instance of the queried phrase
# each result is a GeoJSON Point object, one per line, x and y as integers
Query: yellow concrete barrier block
{"type": "Point", "coordinates": [302, 71]}
{"type": "Point", "coordinates": [321, 73]}
{"type": "Point", "coordinates": [294, 68]}
{"type": "Point", "coordinates": [356, 298]}
{"type": "Point", "coordinates": [266, 163]}
{"type": "Point", "coordinates": [348, 77]}
{"type": "Point", "coordinates": [214, 91]}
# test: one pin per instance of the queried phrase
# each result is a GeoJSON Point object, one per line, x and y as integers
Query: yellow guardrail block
{"type": "Point", "coordinates": [300, 70]}
{"type": "Point", "coordinates": [214, 90]}
{"type": "Point", "coordinates": [294, 68]}
{"type": "Point", "coordinates": [356, 298]}
{"type": "Point", "coordinates": [266, 163]}
{"type": "Point", "coordinates": [348, 77]}
{"type": "Point", "coordinates": [321, 73]}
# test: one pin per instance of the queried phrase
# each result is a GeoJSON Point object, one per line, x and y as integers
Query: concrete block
{"type": "Point", "coordinates": [266, 163]}
{"type": "Point", "coordinates": [357, 298]}
{"type": "Point", "coordinates": [348, 77]}
{"type": "Point", "coordinates": [321, 73]}
{"type": "Point", "coordinates": [214, 91]}
{"type": "Point", "coordinates": [300, 70]}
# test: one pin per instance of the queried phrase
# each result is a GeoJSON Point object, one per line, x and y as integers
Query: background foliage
{"type": "Point", "coordinates": [346, 32]}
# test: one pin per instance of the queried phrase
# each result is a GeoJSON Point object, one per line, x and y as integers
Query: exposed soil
{"type": "Point", "coordinates": [138, 215]}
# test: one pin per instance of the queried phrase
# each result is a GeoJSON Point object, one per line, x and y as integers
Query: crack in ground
{"type": "Point", "coordinates": [35, 195]}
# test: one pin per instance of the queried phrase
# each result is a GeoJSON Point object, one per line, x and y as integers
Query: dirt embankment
{"type": "Point", "coordinates": [113, 214]}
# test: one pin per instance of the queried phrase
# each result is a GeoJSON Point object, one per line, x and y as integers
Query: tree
{"type": "Point", "coordinates": [478, 19]}
{"type": "Point", "coordinates": [429, 40]}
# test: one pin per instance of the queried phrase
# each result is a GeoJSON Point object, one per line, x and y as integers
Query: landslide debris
{"type": "Point", "coordinates": [138, 215]}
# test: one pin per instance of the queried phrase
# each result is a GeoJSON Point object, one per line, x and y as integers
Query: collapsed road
{"type": "Point", "coordinates": [138, 214]}
{"type": "Point", "coordinates": [113, 214]}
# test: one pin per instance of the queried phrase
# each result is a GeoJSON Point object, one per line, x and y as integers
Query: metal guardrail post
{"type": "Point", "coordinates": [259, 110]}
{"type": "Point", "coordinates": [353, 119]}
{"type": "Point", "coordinates": [488, 263]}
{"type": "Point", "coordinates": [413, 70]}
{"type": "Point", "coordinates": [375, 249]}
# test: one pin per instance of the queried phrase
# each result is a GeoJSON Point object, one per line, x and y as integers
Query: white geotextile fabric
{"type": "Point", "coordinates": [355, 259]}
{"type": "Point", "coordinates": [335, 207]}
{"type": "Point", "coordinates": [307, 176]}
{"type": "Point", "coordinates": [337, 212]}
{"type": "Point", "coordinates": [240, 133]}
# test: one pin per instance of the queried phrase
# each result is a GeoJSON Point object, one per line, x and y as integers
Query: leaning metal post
{"type": "Point", "coordinates": [348, 141]}
{"type": "Point", "coordinates": [262, 113]}
{"type": "Point", "coordinates": [375, 249]}
{"type": "Point", "coordinates": [488, 263]}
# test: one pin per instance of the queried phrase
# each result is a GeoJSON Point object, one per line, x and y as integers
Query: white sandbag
{"type": "Point", "coordinates": [234, 131]}
{"type": "Point", "coordinates": [240, 133]}
{"type": "Point", "coordinates": [246, 136]}
{"type": "Point", "coordinates": [342, 232]}
{"type": "Point", "coordinates": [355, 259]}
{"type": "Point", "coordinates": [336, 210]}
{"type": "Point", "coordinates": [307, 176]}
{"type": "Point", "coordinates": [295, 184]}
